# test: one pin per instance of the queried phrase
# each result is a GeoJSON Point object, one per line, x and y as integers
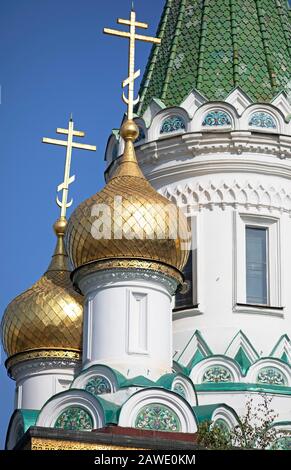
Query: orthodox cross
{"type": "Point", "coordinates": [132, 36]}
{"type": "Point", "coordinates": [64, 187]}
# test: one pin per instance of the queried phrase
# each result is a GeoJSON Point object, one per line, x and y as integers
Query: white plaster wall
{"type": "Point", "coordinates": [37, 382]}
{"type": "Point", "coordinates": [238, 401]}
{"type": "Point", "coordinates": [217, 320]}
{"type": "Point", "coordinates": [178, 175]}
{"type": "Point", "coordinates": [127, 324]}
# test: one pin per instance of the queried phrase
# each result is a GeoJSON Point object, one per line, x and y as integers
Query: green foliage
{"type": "Point", "coordinates": [255, 429]}
{"type": "Point", "coordinates": [213, 437]}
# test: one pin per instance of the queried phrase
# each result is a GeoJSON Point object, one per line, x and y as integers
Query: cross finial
{"type": "Point", "coordinates": [64, 187]}
{"type": "Point", "coordinates": [132, 36]}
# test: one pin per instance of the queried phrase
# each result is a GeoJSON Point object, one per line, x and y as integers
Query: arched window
{"type": "Point", "coordinates": [172, 124]}
{"type": "Point", "coordinates": [217, 118]}
{"type": "Point", "coordinates": [264, 120]}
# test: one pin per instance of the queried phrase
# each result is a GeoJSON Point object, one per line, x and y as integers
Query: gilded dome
{"type": "Point", "coordinates": [49, 315]}
{"type": "Point", "coordinates": [136, 222]}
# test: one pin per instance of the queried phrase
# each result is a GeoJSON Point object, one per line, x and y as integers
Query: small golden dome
{"type": "Point", "coordinates": [133, 215]}
{"type": "Point", "coordinates": [49, 315]}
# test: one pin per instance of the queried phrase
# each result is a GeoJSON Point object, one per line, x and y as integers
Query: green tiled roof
{"type": "Point", "coordinates": [217, 45]}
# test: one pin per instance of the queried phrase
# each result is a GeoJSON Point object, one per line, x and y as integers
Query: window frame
{"type": "Point", "coordinates": [274, 287]}
{"type": "Point", "coordinates": [267, 255]}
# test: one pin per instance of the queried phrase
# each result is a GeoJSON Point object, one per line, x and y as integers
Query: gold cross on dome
{"type": "Point", "coordinates": [132, 36]}
{"type": "Point", "coordinates": [64, 187]}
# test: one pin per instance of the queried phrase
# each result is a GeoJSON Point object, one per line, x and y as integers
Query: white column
{"type": "Point", "coordinates": [128, 321]}
{"type": "Point", "coordinates": [37, 380]}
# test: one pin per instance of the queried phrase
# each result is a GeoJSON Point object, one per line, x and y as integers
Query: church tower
{"type": "Point", "coordinates": [215, 138]}
{"type": "Point", "coordinates": [182, 259]}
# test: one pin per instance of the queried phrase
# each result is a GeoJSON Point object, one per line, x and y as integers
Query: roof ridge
{"type": "Point", "coordinates": [283, 23]}
{"type": "Point", "coordinates": [154, 53]}
{"type": "Point", "coordinates": [263, 30]}
{"type": "Point", "coordinates": [173, 48]}
{"type": "Point", "coordinates": [203, 30]}
{"type": "Point", "coordinates": [233, 24]}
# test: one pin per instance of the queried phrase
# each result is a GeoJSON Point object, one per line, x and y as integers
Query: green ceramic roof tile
{"type": "Point", "coordinates": [214, 46]}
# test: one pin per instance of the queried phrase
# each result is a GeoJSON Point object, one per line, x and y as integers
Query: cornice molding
{"type": "Point", "coordinates": [42, 359]}
{"type": "Point", "coordinates": [226, 151]}
{"type": "Point", "coordinates": [90, 280]}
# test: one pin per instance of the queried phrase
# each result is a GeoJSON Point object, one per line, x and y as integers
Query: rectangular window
{"type": "Point", "coordinates": [257, 254]}
{"type": "Point", "coordinates": [257, 265]}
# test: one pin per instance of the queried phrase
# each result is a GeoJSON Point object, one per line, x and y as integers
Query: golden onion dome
{"type": "Point", "coordinates": [136, 221]}
{"type": "Point", "coordinates": [46, 320]}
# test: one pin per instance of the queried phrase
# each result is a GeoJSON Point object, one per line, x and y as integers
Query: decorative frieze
{"type": "Point", "coordinates": [247, 194]}
{"type": "Point", "coordinates": [74, 418]}
{"type": "Point", "coordinates": [271, 375]}
{"type": "Point", "coordinates": [98, 385]}
{"type": "Point", "coordinates": [217, 374]}
{"type": "Point", "coordinates": [156, 417]}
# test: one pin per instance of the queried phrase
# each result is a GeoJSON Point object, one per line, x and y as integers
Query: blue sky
{"type": "Point", "coordinates": [54, 60]}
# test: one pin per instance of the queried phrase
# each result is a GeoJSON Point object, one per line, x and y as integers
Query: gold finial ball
{"type": "Point", "coordinates": [60, 226]}
{"type": "Point", "coordinates": [129, 131]}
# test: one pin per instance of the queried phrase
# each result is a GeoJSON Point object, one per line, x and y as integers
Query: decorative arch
{"type": "Point", "coordinates": [217, 118]}
{"type": "Point", "coordinates": [216, 369]}
{"type": "Point", "coordinates": [97, 380]}
{"type": "Point", "coordinates": [180, 384]}
{"type": "Point", "coordinates": [172, 123]}
{"type": "Point", "coordinates": [167, 122]}
{"type": "Point", "coordinates": [157, 417]}
{"type": "Point", "coordinates": [217, 373]}
{"type": "Point", "coordinates": [269, 372]}
{"type": "Point", "coordinates": [73, 406]}
{"type": "Point", "coordinates": [184, 387]}
{"type": "Point", "coordinates": [158, 410]}
{"type": "Point", "coordinates": [272, 376]}
{"type": "Point", "coordinates": [74, 418]}
{"type": "Point", "coordinates": [226, 415]}
{"type": "Point", "coordinates": [262, 119]}
{"type": "Point", "coordinates": [215, 115]}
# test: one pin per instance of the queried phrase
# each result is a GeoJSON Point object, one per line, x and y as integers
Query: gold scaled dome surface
{"type": "Point", "coordinates": [141, 210]}
{"type": "Point", "coordinates": [49, 315]}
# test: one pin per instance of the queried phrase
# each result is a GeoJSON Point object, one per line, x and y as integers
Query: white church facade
{"type": "Point", "coordinates": [145, 334]}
